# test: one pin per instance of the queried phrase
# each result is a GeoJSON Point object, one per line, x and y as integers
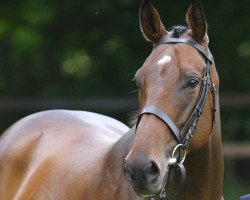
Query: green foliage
{"type": "Point", "coordinates": [37, 13]}
{"type": "Point", "coordinates": [78, 48]}
{"type": "Point", "coordinates": [76, 64]}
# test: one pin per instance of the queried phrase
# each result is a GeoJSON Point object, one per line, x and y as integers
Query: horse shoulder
{"type": "Point", "coordinates": [53, 148]}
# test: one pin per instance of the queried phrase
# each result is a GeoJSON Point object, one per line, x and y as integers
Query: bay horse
{"type": "Point", "coordinates": [71, 155]}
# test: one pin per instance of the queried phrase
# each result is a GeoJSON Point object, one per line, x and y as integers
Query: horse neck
{"type": "Point", "coordinates": [205, 167]}
{"type": "Point", "coordinates": [112, 172]}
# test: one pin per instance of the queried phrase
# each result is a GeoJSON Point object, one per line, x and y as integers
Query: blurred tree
{"type": "Point", "coordinates": [77, 48]}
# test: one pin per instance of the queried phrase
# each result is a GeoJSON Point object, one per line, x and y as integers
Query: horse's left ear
{"type": "Point", "coordinates": [197, 22]}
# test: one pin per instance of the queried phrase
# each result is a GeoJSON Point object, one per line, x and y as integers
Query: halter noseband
{"type": "Point", "coordinates": [185, 134]}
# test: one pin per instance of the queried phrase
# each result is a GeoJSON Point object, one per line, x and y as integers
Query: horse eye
{"type": "Point", "coordinates": [192, 83]}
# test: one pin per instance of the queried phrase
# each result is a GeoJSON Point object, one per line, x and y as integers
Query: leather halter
{"type": "Point", "coordinates": [184, 135]}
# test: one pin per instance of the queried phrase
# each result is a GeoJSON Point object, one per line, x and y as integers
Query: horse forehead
{"type": "Point", "coordinates": [169, 57]}
{"type": "Point", "coordinates": [164, 59]}
{"type": "Point", "coordinates": [167, 53]}
{"type": "Point", "coordinates": [183, 56]}
{"type": "Point", "coordinates": [187, 53]}
{"type": "Point", "coordinates": [179, 51]}
{"type": "Point", "coordinates": [162, 55]}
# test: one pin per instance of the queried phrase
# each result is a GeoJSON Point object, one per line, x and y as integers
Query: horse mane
{"type": "Point", "coordinates": [178, 30]}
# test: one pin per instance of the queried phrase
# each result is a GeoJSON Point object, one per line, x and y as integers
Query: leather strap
{"type": "Point", "coordinates": [189, 128]}
{"type": "Point", "coordinates": [180, 167]}
{"type": "Point", "coordinates": [192, 43]}
{"type": "Point", "coordinates": [164, 117]}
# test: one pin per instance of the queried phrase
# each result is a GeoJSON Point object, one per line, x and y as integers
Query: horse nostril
{"type": "Point", "coordinates": [142, 171]}
{"type": "Point", "coordinates": [152, 172]}
{"type": "Point", "coordinates": [153, 169]}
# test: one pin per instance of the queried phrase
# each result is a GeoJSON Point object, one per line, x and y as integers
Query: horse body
{"type": "Point", "coordinates": [81, 155]}
{"type": "Point", "coordinates": [41, 159]}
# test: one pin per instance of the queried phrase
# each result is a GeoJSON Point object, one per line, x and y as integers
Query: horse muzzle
{"type": "Point", "coordinates": [144, 176]}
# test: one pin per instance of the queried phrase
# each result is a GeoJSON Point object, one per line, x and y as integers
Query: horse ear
{"type": "Point", "coordinates": [196, 21]}
{"type": "Point", "coordinates": [150, 22]}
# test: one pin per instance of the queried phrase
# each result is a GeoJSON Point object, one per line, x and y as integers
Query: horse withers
{"type": "Point", "coordinates": [64, 155]}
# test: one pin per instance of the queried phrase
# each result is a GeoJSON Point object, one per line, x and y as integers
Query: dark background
{"type": "Point", "coordinates": [82, 54]}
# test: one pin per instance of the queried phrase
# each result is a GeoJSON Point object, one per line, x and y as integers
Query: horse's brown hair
{"type": "Point", "coordinates": [62, 154]}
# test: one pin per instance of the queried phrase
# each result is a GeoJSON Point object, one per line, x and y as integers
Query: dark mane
{"type": "Point", "coordinates": [178, 31]}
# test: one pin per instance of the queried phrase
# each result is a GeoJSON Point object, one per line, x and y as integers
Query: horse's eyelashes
{"type": "Point", "coordinates": [192, 83]}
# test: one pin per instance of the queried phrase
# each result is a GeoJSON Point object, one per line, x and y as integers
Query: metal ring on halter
{"type": "Point", "coordinates": [173, 160]}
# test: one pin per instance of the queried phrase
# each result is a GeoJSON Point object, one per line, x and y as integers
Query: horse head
{"type": "Point", "coordinates": [170, 81]}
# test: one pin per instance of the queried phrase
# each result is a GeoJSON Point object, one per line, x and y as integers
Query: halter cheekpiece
{"type": "Point", "coordinates": [185, 134]}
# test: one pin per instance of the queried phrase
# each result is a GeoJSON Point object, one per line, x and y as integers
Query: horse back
{"type": "Point", "coordinates": [52, 154]}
